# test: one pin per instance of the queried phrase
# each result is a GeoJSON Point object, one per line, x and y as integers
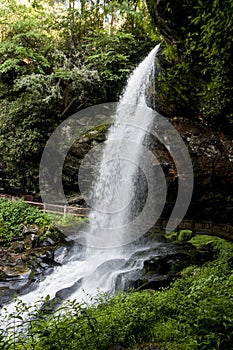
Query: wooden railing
{"type": "Point", "coordinates": [51, 208]}
{"type": "Point", "coordinates": [207, 227]}
{"type": "Point", "coordinates": [60, 209]}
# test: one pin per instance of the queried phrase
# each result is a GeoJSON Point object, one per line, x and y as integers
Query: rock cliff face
{"type": "Point", "coordinates": [212, 157]}
{"type": "Point", "coordinates": [211, 152]}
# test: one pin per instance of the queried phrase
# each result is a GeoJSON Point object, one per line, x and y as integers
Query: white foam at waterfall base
{"type": "Point", "coordinates": [112, 200]}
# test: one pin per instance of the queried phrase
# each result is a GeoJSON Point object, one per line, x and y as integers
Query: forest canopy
{"type": "Point", "coordinates": [58, 57]}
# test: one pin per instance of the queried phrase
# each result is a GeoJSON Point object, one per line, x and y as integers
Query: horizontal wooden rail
{"type": "Point", "coordinates": [53, 208]}
{"type": "Point", "coordinates": [60, 209]}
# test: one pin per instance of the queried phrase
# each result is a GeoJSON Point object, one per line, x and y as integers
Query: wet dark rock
{"type": "Point", "coordinates": [25, 262]}
{"type": "Point", "coordinates": [44, 253]}
{"type": "Point", "coordinates": [154, 268]}
{"type": "Point", "coordinates": [60, 254]}
{"type": "Point", "coordinates": [48, 242]}
{"type": "Point", "coordinates": [18, 247]}
{"type": "Point", "coordinates": [31, 229]}
{"type": "Point", "coordinates": [76, 199]}
{"type": "Point", "coordinates": [44, 265]}
{"type": "Point", "coordinates": [211, 152]}
{"type": "Point", "coordinates": [110, 265]}
{"type": "Point", "coordinates": [60, 296]}
{"type": "Point", "coordinates": [31, 240]}
{"type": "Point", "coordinates": [18, 271]}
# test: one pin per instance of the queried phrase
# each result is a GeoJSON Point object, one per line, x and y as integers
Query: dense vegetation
{"type": "Point", "coordinates": [56, 60]}
{"type": "Point", "coordinates": [198, 78]}
{"type": "Point", "coordinates": [195, 313]}
{"type": "Point", "coordinates": [13, 215]}
{"type": "Point", "coordinates": [59, 57]}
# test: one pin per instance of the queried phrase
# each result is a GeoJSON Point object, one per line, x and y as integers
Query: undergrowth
{"type": "Point", "coordinates": [196, 312]}
{"type": "Point", "coordinates": [13, 215]}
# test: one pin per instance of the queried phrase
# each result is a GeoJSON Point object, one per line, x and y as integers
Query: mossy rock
{"type": "Point", "coordinates": [185, 235]}
{"type": "Point", "coordinates": [98, 133]}
{"type": "Point", "coordinates": [200, 240]}
{"type": "Point", "coordinates": [172, 236]}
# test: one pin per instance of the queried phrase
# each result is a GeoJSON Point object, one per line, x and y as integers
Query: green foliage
{"type": "Point", "coordinates": [172, 235]}
{"type": "Point", "coordinates": [56, 60]}
{"type": "Point", "coordinates": [195, 313]}
{"type": "Point", "coordinates": [27, 121]}
{"type": "Point", "coordinates": [203, 240]}
{"type": "Point", "coordinates": [67, 220]}
{"type": "Point", "coordinates": [213, 24]}
{"type": "Point", "coordinates": [184, 235]}
{"type": "Point", "coordinates": [177, 84]}
{"type": "Point", "coordinates": [197, 77]}
{"type": "Point", "coordinates": [14, 214]}
{"type": "Point", "coordinates": [107, 56]}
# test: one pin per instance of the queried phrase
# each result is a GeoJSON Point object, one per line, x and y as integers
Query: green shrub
{"type": "Point", "coordinates": [14, 214]}
{"type": "Point", "coordinates": [67, 220]}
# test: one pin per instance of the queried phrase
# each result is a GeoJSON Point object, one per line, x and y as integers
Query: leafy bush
{"type": "Point", "coordinates": [14, 214]}
{"type": "Point", "coordinates": [196, 78]}
{"type": "Point", "coordinates": [55, 60]}
{"type": "Point", "coordinates": [67, 220]}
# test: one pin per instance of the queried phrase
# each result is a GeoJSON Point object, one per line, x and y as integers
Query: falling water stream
{"type": "Point", "coordinates": [110, 240]}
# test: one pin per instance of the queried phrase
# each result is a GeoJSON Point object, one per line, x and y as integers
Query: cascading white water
{"type": "Point", "coordinates": [114, 190]}
{"type": "Point", "coordinates": [113, 196]}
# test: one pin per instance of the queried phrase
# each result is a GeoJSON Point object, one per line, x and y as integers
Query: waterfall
{"type": "Point", "coordinates": [114, 192]}
{"type": "Point", "coordinates": [113, 224]}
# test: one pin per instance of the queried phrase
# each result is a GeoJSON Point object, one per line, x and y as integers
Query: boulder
{"type": "Point", "coordinates": [154, 268]}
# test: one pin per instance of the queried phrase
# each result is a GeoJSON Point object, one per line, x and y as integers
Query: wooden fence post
{"type": "Point", "coordinates": [65, 210]}
{"type": "Point", "coordinates": [211, 226]}
{"type": "Point", "coordinates": [193, 226]}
